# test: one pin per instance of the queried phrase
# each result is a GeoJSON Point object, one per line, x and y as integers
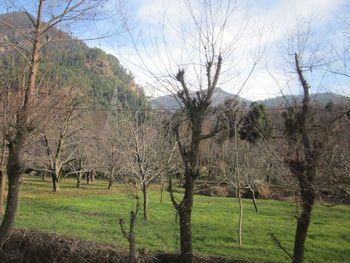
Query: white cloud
{"type": "Point", "coordinates": [154, 11]}
{"type": "Point", "coordinates": [264, 86]}
{"type": "Point", "coordinates": [272, 19]}
{"type": "Point", "coordinates": [342, 90]}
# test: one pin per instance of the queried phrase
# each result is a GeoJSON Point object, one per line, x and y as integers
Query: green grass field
{"type": "Point", "coordinates": [92, 212]}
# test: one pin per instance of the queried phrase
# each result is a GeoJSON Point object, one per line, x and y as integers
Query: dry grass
{"type": "Point", "coordinates": [37, 246]}
{"type": "Point", "coordinates": [26, 246]}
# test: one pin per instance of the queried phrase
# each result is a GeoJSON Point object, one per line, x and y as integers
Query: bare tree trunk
{"type": "Point", "coordinates": [254, 200]}
{"type": "Point", "coordinates": [145, 201]}
{"type": "Point", "coordinates": [237, 171]}
{"type": "Point", "coordinates": [130, 236]}
{"type": "Point", "coordinates": [185, 211]}
{"type": "Point", "coordinates": [307, 199]}
{"type": "Point", "coordinates": [110, 178]}
{"type": "Point", "coordinates": [55, 183]}
{"type": "Point", "coordinates": [268, 177]}
{"type": "Point", "coordinates": [186, 234]}
{"type": "Point", "coordinates": [110, 183]}
{"type": "Point", "coordinates": [240, 220]}
{"type": "Point", "coordinates": [161, 191]}
{"type": "Point", "coordinates": [2, 176]}
{"type": "Point", "coordinates": [88, 177]}
{"type": "Point", "coordinates": [79, 179]}
{"type": "Point", "coordinates": [132, 247]}
{"type": "Point", "coordinates": [43, 177]}
{"type": "Point", "coordinates": [13, 171]}
{"type": "Point", "coordinates": [2, 191]}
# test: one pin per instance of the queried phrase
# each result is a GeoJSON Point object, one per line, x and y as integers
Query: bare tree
{"type": "Point", "coordinates": [108, 145]}
{"type": "Point", "coordinates": [171, 161]}
{"type": "Point", "coordinates": [303, 163]}
{"type": "Point", "coordinates": [93, 143]}
{"type": "Point", "coordinates": [308, 134]}
{"type": "Point", "coordinates": [190, 70]}
{"type": "Point", "coordinates": [144, 163]}
{"type": "Point", "coordinates": [206, 45]}
{"type": "Point", "coordinates": [194, 111]}
{"type": "Point", "coordinates": [34, 40]}
{"type": "Point", "coordinates": [236, 158]}
{"type": "Point", "coordinates": [62, 141]}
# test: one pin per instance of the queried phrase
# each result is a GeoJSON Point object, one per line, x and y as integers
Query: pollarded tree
{"type": "Point", "coordinates": [194, 113]}
{"type": "Point", "coordinates": [190, 70]}
{"type": "Point", "coordinates": [308, 135]}
{"type": "Point", "coordinates": [303, 161]}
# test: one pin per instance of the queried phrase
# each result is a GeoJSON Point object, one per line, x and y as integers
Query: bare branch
{"type": "Point", "coordinates": [172, 197]}
{"type": "Point", "coordinates": [278, 243]}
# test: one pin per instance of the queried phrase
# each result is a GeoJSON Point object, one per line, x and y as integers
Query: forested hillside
{"type": "Point", "coordinates": [72, 63]}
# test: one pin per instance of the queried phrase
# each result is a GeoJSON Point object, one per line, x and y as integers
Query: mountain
{"type": "Point", "coordinates": [70, 63]}
{"type": "Point", "coordinates": [219, 96]}
{"type": "Point", "coordinates": [170, 102]}
{"type": "Point", "coordinates": [317, 98]}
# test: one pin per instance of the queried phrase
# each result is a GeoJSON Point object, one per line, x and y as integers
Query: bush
{"type": "Point", "coordinates": [218, 191]}
{"type": "Point", "coordinates": [262, 190]}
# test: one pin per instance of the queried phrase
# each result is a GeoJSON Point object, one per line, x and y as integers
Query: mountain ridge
{"type": "Point", "coordinates": [170, 102]}
{"type": "Point", "coordinates": [219, 97]}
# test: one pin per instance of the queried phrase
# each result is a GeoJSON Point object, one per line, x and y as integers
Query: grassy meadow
{"type": "Point", "coordinates": [93, 212]}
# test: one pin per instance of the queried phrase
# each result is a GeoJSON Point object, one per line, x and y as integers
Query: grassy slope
{"type": "Point", "coordinates": [93, 212]}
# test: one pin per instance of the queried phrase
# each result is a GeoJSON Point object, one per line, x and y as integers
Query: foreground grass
{"type": "Point", "coordinates": [93, 213]}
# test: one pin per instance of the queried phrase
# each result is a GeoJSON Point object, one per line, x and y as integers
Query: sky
{"type": "Point", "coordinates": [158, 50]}
{"type": "Point", "coordinates": [154, 39]}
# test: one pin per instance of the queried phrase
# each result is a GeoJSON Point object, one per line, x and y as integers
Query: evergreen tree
{"type": "Point", "coordinates": [256, 124]}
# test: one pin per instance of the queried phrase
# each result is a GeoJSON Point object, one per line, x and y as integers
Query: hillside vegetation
{"type": "Point", "coordinates": [73, 63]}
